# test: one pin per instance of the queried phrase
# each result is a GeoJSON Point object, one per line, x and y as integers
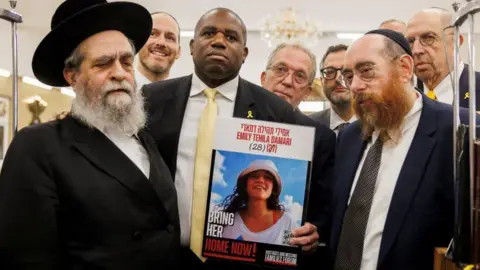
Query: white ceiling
{"type": "Point", "coordinates": [331, 15]}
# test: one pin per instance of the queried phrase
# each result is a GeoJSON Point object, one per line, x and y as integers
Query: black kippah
{"type": "Point", "coordinates": [395, 36]}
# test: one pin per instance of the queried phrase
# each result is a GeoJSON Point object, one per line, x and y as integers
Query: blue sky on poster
{"type": "Point", "coordinates": [228, 165]}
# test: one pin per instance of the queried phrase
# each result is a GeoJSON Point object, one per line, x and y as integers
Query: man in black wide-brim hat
{"type": "Point", "coordinates": [89, 191]}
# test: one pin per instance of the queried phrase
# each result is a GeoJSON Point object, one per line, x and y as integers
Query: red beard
{"type": "Point", "coordinates": [383, 112]}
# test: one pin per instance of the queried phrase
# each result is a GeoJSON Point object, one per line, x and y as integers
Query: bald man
{"type": "Point", "coordinates": [395, 25]}
{"type": "Point", "coordinates": [430, 35]}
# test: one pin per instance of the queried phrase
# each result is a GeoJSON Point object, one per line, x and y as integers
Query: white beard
{"type": "Point", "coordinates": [117, 113]}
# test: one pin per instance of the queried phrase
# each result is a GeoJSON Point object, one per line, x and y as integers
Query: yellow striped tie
{"type": "Point", "coordinates": [203, 157]}
{"type": "Point", "coordinates": [431, 94]}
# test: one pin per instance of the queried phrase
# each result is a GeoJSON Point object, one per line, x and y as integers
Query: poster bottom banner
{"type": "Point", "coordinates": [252, 252]}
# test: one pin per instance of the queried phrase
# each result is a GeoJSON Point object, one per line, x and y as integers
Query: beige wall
{"type": "Point", "coordinates": [57, 102]}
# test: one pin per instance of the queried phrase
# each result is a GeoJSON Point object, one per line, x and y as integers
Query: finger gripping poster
{"type": "Point", "coordinates": [258, 187]}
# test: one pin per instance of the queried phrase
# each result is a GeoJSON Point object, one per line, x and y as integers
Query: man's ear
{"type": "Point", "coordinates": [70, 75]}
{"type": "Point", "coordinates": [179, 53]}
{"type": "Point", "coordinates": [191, 46]}
{"type": "Point", "coordinates": [263, 77]}
{"type": "Point", "coordinates": [308, 92]}
{"type": "Point", "coordinates": [461, 40]}
{"type": "Point", "coordinates": [245, 54]}
{"type": "Point", "coordinates": [405, 65]}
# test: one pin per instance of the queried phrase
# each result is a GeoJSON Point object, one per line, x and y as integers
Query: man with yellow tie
{"type": "Point", "coordinates": [182, 118]}
{"type": "Point", "coordinates": [431, 38]}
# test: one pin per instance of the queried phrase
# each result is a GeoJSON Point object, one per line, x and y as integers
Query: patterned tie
{"type": "Point", "coordinates": [203, 157]}
{"type": "Point", "coordinates": [350, 245]}
{"type": "Point", "coordinates": [431, 94]}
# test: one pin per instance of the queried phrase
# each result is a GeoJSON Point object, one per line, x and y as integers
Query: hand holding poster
{"type": "Point", "coordinates": [258, 188]}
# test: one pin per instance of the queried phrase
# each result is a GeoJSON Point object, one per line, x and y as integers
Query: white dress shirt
{"type": "Point", "coordinates": [391, 164]}
{"type": "Point", "coordinates": [141, 79]}
{"type": "Point", "coordinates": [197, 101]}
{"type": "Point", "coordinates": [444, 90]}
{"type": "Point", "coordinates": [336, 120]}
{"type": "Point", "coordinates": [133, 149]}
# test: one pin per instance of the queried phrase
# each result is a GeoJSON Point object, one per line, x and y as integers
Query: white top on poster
{"type": "Point", "coordinates": [278, 234]}
{"type": "Point", "coordinates": [265, 138]}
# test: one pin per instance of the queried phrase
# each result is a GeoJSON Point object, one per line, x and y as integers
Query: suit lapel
{"type": "Point", "coordinates": [345, 168]}
{"type": "Point", "coordinates": [410, 175]}
{"type": "Point", "coordinates": [326, 117]}
{"type": "Point", "coordinates": [245, 103]}
{"type": "Point", "coordinates": [160, 177]}
{"type": "Point", "coordinates": [356, 146]}
{"type": "Point", "coordinates": [168, 120]}
{"type": "Point", "coordinates": [107, 157]}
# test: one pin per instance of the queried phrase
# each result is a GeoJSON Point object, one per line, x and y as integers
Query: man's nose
{"type": "Point", "coordinates": [288, 80]}
{"type": "Point", "coordinates": [357, 85]}
{"type": "Point", "coordinates": [219, 41]}
{"type": "Point", "coordinates": [417, 47]}
{"type": "Point", "coordinates": [118, 72]}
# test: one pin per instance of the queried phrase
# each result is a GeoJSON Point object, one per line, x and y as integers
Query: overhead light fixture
{"type": "Point", "coordinates": [311, 106]}
{"type": "Point", "coordinates": [288, 25]}
{"type": "Point", "coordinates": [68, 91]}
{"type": "Point", "coordinates": [187, 33]}
{"type": "Point", "coordinates": [4, 73]}
{"type": "Point", "coordinates": [352, 36]}
{"type": "Point", "coordinates": [35, 82]}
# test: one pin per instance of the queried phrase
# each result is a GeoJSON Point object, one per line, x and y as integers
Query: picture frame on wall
{"type": "Point", "coordinates": [5, 102]}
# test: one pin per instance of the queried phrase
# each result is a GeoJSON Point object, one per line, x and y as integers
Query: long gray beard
{"type": "Point", "coordinates": [111, 113]}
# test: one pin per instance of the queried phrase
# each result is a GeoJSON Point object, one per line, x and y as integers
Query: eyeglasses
{"type": "Point", "coordinates": [365, 73]}
{"type": "Point", "coordinates": [330, 73]}
{"type": "Point", "coordinates": [427, 39]}
{"type": "Point", "coordinates": [282, 71]}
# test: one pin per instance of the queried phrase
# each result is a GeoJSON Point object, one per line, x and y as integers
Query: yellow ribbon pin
{"type": "Point", "coordinates": [467, 95]}
{"type": "Point", "coordinates": [249, 114]}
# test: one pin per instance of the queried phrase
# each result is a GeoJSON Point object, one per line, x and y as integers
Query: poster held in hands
{"type": "Point", "coordinates": [258, 191]}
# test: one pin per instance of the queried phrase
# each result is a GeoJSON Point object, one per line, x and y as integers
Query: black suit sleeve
{"type": "Point", "coordinates": [28, 205]}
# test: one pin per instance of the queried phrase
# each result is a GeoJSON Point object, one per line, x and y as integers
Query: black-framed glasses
{"type": "Point", "coordinates": [281, 71]}
{"type": "Point", "coordinates": [365, 73]}
{"type": "Point", "coordinates": [330, 73]}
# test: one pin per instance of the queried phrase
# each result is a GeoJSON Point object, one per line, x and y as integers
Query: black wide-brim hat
{"type": "Point", "coordinates": [76, 20]}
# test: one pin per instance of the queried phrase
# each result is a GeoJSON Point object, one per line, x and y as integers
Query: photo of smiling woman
{"type": "Point", "coordinates": [259, 216]}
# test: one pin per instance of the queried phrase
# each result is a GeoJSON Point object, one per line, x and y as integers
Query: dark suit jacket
{"type": "Point", "coordinates": [323, 117]}
{"type": "Point", "coordinates": [463, 82]}
{"type": "Point", "coordinates": [70, 199]}
{"type": "Point", "coordinates": [421, 212]}
{"type": "Point", "coordinates": [166, 103]}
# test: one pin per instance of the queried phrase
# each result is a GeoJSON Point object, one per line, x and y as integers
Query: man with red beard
{"type": "Point", "coordinates": [89, 191]}
{"type": "Point", "coordinates": [393, 200]}
{"type": "Point", "coordinates": [162, 49]}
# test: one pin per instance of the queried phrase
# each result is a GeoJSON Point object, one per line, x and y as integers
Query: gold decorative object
{"type": "Point", "coordinates": [289, 26]}
{"type": "Point", "coordinates": [317, 91]}
{"type": "Point", "coordinates": [36, 105]}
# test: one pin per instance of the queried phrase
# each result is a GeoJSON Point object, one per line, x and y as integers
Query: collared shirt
{"type": "Point", "coordinates": [336, 120]}
{"type": "Point", "coordinates": [133, 149]}
{"type": "Point", "coordinates": [391, 164]}
{"type": "Point", "coordinates": [140, 79]}
{"type": "Point", "coordinates": [444, 90]}
{"type": "Point", "coordinates": [197, 101]}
